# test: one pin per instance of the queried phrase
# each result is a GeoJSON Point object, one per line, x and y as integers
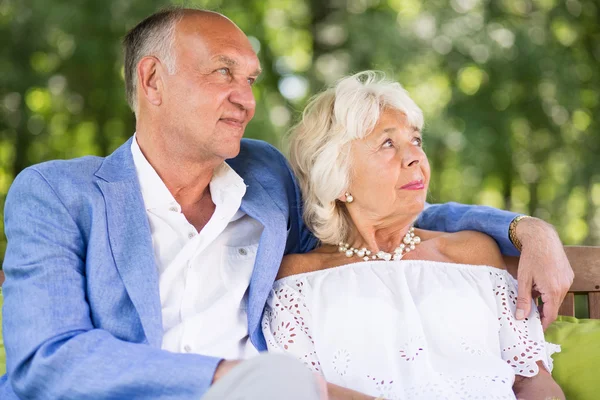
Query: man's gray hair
{"type": "Point", "coordinates": [154, 36]}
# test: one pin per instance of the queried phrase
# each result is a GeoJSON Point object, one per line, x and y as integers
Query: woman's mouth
{"type": "Point", "coordinates": [414, 185]}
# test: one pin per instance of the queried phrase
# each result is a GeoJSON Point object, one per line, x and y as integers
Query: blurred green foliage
{"type": "Point", "coordinates": [509, 87]}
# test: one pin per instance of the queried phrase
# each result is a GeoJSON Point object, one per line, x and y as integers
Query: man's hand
{"type": "Point", "coordinates": [223, 368]}
{"type": "Point", "coordinates": [544, 269]}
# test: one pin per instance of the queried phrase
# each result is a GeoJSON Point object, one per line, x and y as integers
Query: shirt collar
{"type": "Point", "coordinates": [226, 186]}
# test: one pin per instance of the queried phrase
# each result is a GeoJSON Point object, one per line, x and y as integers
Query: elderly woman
{"type": "Point", "coordinates": [383, 308]}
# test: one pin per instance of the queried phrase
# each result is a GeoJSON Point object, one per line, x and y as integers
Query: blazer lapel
{"type": "Point", "coordinates": [130, 238]}
{"type": "Point", "coordinates": [257, 203]}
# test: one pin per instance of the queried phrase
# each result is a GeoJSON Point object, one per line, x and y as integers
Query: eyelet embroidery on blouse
{"type": "Point", "coordinates": [521, 348]}
{"type": "Point", "coordinates": [284, 334]}
{"type": "Point", "coordinates": [341, 361]}
{"type": "Point", "coordinates": [303, 327]}
{"type": "Point", "coordinates": [311, 361]}
{"type": "Point", "coordinates": [268, 317]}
{"type": "Point", "coordinates": [384, 388]}
{"type": "Point", "coordinates": [288, 296]}
{"type": "Point", "coordinates": [286, 330]}
{"type": "Point", "coordinates": [299, 285]}
{"type": "Point", "coordinates": [412, 348]}
{"type": "Point", "coordinates": [284, 318]}
{"type": "Point", "coordinates": [470, 348]}
{"type": "Point", "coordinates": [481, 387]}
{"type": "Point", "coordinates": [430, 390]}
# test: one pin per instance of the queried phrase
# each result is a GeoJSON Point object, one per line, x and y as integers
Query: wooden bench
{"type": "Point", "coordinates": [586, 265]}
{"type": "Point", "coordinates": [585, 261]}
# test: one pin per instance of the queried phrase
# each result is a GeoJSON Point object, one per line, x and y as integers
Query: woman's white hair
{"type": "Point", "coordinates": [320, 144]}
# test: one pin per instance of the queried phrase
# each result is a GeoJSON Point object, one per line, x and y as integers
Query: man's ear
{"type": "Point", "coordinates": [149, 73]}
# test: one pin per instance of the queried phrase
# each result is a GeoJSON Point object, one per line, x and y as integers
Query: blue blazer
{"type": "Point", "coordinates": [82, 311]}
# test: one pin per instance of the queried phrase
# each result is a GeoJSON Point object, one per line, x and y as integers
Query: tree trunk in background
{"type": "Point", "coordinates": [533, 198]}
{"type": "Point", "coordinates": [320, 11]}
{"type": "Point", "coordinates": [20, 160]}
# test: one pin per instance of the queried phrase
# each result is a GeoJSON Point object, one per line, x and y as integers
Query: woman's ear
{"type": "Point", "coordinates": [346, 197]}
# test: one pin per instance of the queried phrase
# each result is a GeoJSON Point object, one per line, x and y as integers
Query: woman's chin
{"type": "Point", "coordinates": [415, 207]}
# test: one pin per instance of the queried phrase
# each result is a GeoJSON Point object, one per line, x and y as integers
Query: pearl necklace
{"type": "Point", "coordinates": [408, 243]}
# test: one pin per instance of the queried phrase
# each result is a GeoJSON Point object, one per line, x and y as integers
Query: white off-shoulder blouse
{"type": "Point", "coordinates": [408, 329]}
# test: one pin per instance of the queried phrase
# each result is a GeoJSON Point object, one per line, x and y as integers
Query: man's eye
{"type": "Point", "coordinates": [418, 141]}
{"type": "Point", "coordinates": [388, 144]}
{"type": "Point", "coordinates": [223, 71]}
{"type": "Point", "coordinates": [251, 81]}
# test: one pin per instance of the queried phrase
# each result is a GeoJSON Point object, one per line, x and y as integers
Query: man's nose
{"type": "Point", "coordinates": [243, 97]}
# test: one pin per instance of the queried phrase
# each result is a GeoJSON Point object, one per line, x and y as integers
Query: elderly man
{"type": "Point", "coordinates": [144, 274]}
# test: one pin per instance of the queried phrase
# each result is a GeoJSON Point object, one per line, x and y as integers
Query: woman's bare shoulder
{"type": "Point", "coordinates": [294, 264]}
{"type": "Point", "coordinates": [472, 247]}
{"type": "Point", "coordinates": [427, 235]}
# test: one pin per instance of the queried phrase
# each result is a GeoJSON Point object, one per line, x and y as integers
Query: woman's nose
{"type": "Point", "coordinates": [414, 162]}
{"type": "Point", "coordinates": [412, 157]}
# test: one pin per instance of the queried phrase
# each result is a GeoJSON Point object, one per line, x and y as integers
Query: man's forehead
{"type": "Point", "coordinates": [218, 35]}
{"type": "Point", "coordinates": [211, 26]}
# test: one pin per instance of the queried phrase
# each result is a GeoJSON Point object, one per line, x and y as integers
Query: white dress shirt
{"type": "Point", "coordinates": [203, 276]}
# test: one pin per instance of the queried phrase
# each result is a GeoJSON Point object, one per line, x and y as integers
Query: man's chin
{"type": "Point", "coordinates": [231, 151]}
{"type": "Point", "coordinates": [229, 142]}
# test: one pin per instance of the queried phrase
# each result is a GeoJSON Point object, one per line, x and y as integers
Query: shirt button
{"type": "Point", "coordinates": [174, 209]}
{"type": "Point", "coordinates": [242, 251]}
{"type": "Point", "coordinates": [187, 348]}
{"type": "Point", "coordinates": [191, 234]}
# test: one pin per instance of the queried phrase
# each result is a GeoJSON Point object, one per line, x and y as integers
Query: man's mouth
{"type": "Point", "coordinates": [235, 122]}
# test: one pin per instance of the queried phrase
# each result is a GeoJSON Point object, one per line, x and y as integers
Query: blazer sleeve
{"type": "Point", "coordinates": [454, 217]}
{"type": "Point", "coordinates": [53, 349]}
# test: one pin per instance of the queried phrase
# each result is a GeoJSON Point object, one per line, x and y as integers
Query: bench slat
{"type": "Point", "coordinates": [585, 261]}
{"type": "Point", "coordinates": [594, 305]}
{"type": "Point", "coordinates": [568, 306]}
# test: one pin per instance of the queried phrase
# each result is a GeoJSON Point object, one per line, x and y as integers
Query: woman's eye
{"type": "Point", "coordinates": [388, 144]}
{"type": "Point", "coordinates": [418, 141]}
{"type": "Point", "coordinates": [251, 81]}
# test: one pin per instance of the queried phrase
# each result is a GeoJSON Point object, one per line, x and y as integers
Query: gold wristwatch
{"type": "Point", "coordinates": [512, 231]}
